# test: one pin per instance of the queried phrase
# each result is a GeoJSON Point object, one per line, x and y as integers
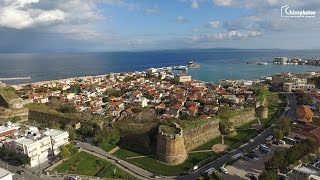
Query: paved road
{"type": "Point", "coordinates": [28, 175]}
{"type": "Point", "coordinates": [259, 139]}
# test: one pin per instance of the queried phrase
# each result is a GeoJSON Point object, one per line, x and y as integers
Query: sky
{"type": "Point", "coordinates": [134, 25]}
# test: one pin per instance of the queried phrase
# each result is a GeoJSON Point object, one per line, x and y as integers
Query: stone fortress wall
{"type": "Point", "coordinates": [198, 136]}
{"type": "Point", "coordinates": [243, 118]}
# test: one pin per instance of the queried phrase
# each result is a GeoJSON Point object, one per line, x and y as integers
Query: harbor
{"type": "Point", "coordinates": [14, 78]}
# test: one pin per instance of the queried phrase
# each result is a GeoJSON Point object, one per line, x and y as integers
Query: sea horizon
{"type": "Point", "coordinates": [216, 64]}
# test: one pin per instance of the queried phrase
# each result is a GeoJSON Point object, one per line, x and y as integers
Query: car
{"type": "Point", "coordinates": [276, 142]}
{"type": "Point", "coordinates": [210, 171]}
{"type": "Point", "coordinates": [21, 172]}
{"type": "Point", "coordinates": [255, 154]}
{"type": "Point", "coordinates": [246, 158]}
{"type": "Point", "coordinates": [224, 170]}
{"type": "Point", "coordinates": [250, 156]}
{"type": "Point", "coordinates": [282, 142]}
{"type": "Point", "coordinates": [253, 176]}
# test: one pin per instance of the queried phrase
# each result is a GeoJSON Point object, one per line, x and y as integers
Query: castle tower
{"type": "Point", "coordinates": [262, 112]}
{"type": "Point", "coordinates": [170, 145]}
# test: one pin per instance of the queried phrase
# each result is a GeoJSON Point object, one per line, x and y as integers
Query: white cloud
{"type": "Point", "coordinates": [17, 14]}
{"type": "Point", "coordinates": [214, 24]}
{"type": "Point", "coordinates": [194, 4]}
{"type": "Point", "coordinates": [181, 19]}
{"type": "Point", "coordinates": [229, 35]}
{"type": "Point", "coordinates": [223, 2]}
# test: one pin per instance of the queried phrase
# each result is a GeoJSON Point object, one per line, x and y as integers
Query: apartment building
{"type": "Point", "coordinates": [295, 87]}
{"type": "Point", "coordinates": [40, 146]}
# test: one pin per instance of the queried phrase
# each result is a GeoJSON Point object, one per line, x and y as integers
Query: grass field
{"type": "Point", "coordinates": [151, 164]}
{"type": "Point", "coordinates": [83, 163]}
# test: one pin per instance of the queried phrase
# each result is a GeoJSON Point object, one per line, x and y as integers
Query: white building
{"type": "Point", "coordinates": [40, 146]}
{"type": "Point", "coordinates": [280, 60]}
{"type": "Point", "coordinates": [5, 175]}
{"type": "Point", "coordinates": [182, 78]}
{"type": "Point", "coordinates": [58, 138]}
{"type": "Point", "coordinates": [295, 87]}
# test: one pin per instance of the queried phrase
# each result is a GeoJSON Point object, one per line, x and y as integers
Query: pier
{"type": "Point", "coordinates": [14, 78]}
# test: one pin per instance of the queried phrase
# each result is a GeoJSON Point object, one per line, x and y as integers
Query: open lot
{"type": "Point", "coordinates": [241, 168]}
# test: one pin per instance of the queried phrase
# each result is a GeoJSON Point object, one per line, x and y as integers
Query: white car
{"type": "Point", "coordinates": [224, 170]}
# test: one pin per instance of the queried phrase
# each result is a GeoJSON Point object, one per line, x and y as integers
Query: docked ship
{"type": "Point", "coordinates": [183, 68]}
{"type": "Point", "coordinates": [192, 64]}
{"type": "Point", "coordinates": [262, 63]}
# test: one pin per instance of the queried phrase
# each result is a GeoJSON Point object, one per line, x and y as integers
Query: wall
{"type": "Point", "coordinates": [45, 117]}
{"type": "Point", "coordinates": [243, 118]}
{"type": "Point", "coordinates": [3, 102]}
{"type": "Point", "coordinates": [201, 135]}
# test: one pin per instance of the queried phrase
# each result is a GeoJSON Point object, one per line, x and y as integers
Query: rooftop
{"type": "Point", "coordinates": [4, 173]}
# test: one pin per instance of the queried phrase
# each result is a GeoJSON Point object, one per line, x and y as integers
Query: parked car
{"type": "Point", "coordinates": [21, 172]}
{"type": "Point", "coordinates": [250, 156]}
{"type": "Point", "coordinates": [210, 171]}
{"type": "Point", "coordinates": [246, 158]}
{"type": "Point", "coordinates": [224, 170]}
{"type": "Point", "coordinates": [282, 142]}
{"type": "Point", "coordinates": [255, 154]}
{"type": "Point", "coordinates": [253, 176]}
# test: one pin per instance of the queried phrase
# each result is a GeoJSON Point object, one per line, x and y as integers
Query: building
{"type": "Point", "coordinates": [40, 146]}
{"type": "Point", "coordinates": [296, 87]}
{"type": "Point", "coordinates": [280, 60]}
{"type": "Point", "coordinates": [5, 174]}
{"type": "Point", "coordinates": [8, 129]}
{"type": "Point", "coordinates": [304, 114]}
{"type": "Point", "coordinates": [182, 78]}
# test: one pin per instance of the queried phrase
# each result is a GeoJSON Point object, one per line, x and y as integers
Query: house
{"type": "Point", "coordinates": [175, 110]}
{"type": "Point", "coordinates": [127, 113]}
{"type": "Point", "coordinates": [193, 110]}
{"type": "Point", "coordinates": [115, 105]}
{"type": "Point", "coordinates": [182, 78]}
{"type": "Point", "coordinates": [304, 114]}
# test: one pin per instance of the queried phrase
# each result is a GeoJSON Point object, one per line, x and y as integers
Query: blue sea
{"type": "Point", "coordinates": [216, 64]}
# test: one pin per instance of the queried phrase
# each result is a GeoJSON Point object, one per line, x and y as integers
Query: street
{"type": "Point", "coordinates": [252, 144]}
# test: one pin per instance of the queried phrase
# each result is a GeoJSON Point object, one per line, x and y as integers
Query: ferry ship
{"type": "Point", "coordinates": [192, 64]}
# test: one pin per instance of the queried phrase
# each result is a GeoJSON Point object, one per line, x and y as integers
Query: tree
{"type": "Point", "coordinates": [14, 119]}
{"type": "Point", "coordinates": [109, 136]}
{"type": "Point", "coordinates": [105, 99]}
{"type": "Point", "coordinates": [285, 125]}
{"type": "Point", "coordinates": [268, 175]}
{"type": "Point", "coordinates": [67, 108]}
{"type": "Point", "coordinates": [64, 152]}
{"type": "Point", "coordinates": [277, 134]}
{"type": "Point", "coordinates": [75, 88]}
{"type": "Point", "coordinates": [24, 159]}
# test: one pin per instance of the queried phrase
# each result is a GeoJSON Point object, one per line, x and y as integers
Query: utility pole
{"type": "Point", "coordinates": [222, 139]}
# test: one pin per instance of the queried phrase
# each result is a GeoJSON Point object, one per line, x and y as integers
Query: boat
{"type": "Point", "coordinates": [192, 64]}
{"type": "Point", "coordinates": [262, 63]}
{"type": "Point", "coordinates": [184, 68]}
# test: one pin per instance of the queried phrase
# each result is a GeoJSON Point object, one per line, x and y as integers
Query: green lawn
{"type": "Point", "coordinates": [107, 147]}
{"type": "Point", "coordinates": [83, 163]}
{"type": "Point", "coordinates": [151, 164]}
